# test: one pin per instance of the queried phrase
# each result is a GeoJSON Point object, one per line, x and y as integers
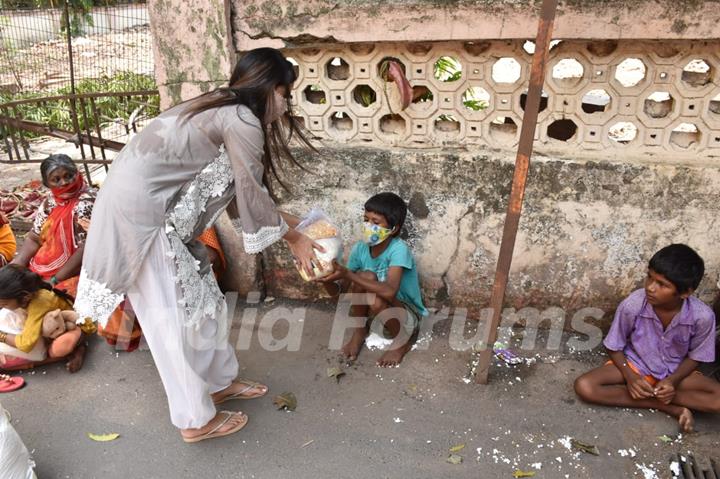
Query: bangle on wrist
{"type": "Point", "coordinates": [3, 337]}
{"type": "Point", "coordinates": [54, 280]}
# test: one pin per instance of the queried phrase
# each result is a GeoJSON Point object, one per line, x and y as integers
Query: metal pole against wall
{"type": "Point", "coordinates": [522, 164]}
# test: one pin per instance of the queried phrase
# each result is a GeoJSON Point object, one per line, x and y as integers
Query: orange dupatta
{"type": "Point", "coordinates": [57, 236]}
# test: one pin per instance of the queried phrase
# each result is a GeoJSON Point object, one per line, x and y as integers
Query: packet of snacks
{"type": "Point", "coordinates": [318, 227]}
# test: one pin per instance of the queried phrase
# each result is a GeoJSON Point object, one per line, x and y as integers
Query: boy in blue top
{"type": "Point", "coordinates": [383, 268]}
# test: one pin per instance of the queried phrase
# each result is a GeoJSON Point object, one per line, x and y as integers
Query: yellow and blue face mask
{"type": "Point", "coordinates": [375, 234]}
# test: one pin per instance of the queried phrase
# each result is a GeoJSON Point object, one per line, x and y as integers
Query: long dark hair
{"type": "Point", "coordinates": [16, 282]}
{"type": "Point", "coordinates": [253, 83]}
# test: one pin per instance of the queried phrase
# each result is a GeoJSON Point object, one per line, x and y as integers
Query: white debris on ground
{"type": "Point", "coordinates": [375, 341]}
{"type": "Point", "coordinates": [648, 472]}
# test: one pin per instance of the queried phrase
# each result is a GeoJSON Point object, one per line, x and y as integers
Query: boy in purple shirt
{"type": "Point", "coordinates": [659, 335]}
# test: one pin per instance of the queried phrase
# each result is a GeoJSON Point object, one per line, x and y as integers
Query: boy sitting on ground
{"type": "Point", "coordinates": [659, 335]}
{"type": "Point", "coordinates": [382, 268]}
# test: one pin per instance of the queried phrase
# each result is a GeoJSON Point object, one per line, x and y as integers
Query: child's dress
{"type": "Point", "coordinates": [30, 346]}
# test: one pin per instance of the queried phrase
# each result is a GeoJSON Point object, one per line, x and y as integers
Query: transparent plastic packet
{"type": "Point", "coordinates": [320, 228]}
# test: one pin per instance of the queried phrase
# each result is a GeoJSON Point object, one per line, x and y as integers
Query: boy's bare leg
{"type": "Point", "coordinates": [699, 393]}
{"type": "Point", "coordinates": [402, 342]}
{"type": "Point", "coordinates": [352, 348]}
{"type": "Point", "coordinates": [606, 385]}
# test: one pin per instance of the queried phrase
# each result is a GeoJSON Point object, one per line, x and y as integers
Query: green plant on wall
{"type": "Point", "coordinates": [448, 69]}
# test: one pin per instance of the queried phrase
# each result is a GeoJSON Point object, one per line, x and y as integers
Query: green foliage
{"type": "Point", "coordinates": [448, 69]}
{"type": "Point", "coordinates": [57, 113]}
{"type": "Point", "coordinates": [80, 16]}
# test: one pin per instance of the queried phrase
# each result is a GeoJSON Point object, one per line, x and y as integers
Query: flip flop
{"type": "Point", "coordinates": [213, 433]}
{"type": "Point", "coordinates": [9, 383]}
{"type": "Point", "coordinates": [241, 394]}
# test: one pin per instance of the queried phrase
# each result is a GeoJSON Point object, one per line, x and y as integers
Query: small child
{"type": "Point", "coordinates": [21, 288]}
{"type": "Point", "coordinates": [659, 335]}
{"type": "Point", "coordinates": [381, 266]}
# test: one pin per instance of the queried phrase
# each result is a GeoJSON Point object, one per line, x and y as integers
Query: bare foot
{"type": "Point", "coordinates": [394, 356]}
{"type": "Point", "coordinates": [235, 421]}
{"type": "Point", "coordinates": [686, 420]}
{"type": "Point", "coordinates": [241, 389]}
{"type": "Point", "coordinates": [76, 358]}
{"type": "Point", "coordinates": [352, 348]}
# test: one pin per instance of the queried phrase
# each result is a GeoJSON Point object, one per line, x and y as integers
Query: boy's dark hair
{"type": "Point", "coordinates": [17, 281]}
{"type": "Point", "coordinates": [391, 206]}
{"type": "Point", "coordinates": [680, 264]}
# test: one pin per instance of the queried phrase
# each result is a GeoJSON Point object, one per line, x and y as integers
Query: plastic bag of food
{"type": "Point", "coordinates": [318, 227]}
{"type": "Point", "coordinates": [15, 461]}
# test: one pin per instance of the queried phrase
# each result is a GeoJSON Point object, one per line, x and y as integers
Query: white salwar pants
{"type": "Point", "coordinates": [191, 361]}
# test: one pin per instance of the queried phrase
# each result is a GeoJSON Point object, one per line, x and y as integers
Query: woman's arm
{"type": "Point", "coordinates": [72, 266]}
{"type": "Point", "coordinates": [291, 220]}
{"type": "Point", "coordinates": [30, 246]}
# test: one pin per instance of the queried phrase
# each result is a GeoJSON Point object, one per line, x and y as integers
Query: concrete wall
{"type": "Point", "coordinates": [587, 231]}
{"type": "Point", "coordinates": [590, 222]}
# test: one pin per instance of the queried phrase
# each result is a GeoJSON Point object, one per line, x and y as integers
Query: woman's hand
{"type": "Point", "coordinates": [302, 249]}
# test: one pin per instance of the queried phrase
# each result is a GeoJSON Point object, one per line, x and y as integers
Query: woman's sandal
{"type": "Point", "coordinates": [215, 432]}
{"type": "Point", "coordinates": [9, 383]}
{"type": "Point", "coordinates": [241, 394]}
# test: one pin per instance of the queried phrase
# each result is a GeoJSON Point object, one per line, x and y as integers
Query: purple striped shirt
{"type": "Point", "coordinates": [638, 333]}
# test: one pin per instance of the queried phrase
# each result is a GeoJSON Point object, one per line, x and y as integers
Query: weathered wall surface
{"type": "Point", "coordinates": [592, 217]}
{"type": "Point", "coordinates": [191, 47]}
{"type": "Point", "coordinates": [587, 231]}
{"type": "Point", "coordinates": [290, 23]}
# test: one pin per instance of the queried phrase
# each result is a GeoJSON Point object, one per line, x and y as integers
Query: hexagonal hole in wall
{"type": "Point", "coordinates": [447, 69]}
{"type": "Point", "coordinates": [697, 73]}
{"type": "Point", "coordinates": [506, 70]}
{"type": "Point", "coordinates": [422, 94]}
{"type": "Point", "coordinates": [447, 124]}
{"type": "Point", "coordinates": [392, 124]}
{"type": "Point", "coordinates": [476, 98]}
{"type": "Point", "coordinates": [602, 48]}
{"type": "Point", "coordinates": [362, 48]}
{"type": "Point", "coordinates": [630, 72]}
{"type": "Point", "coordinates": [685, 135]}
{"type": "Point", "coordinates": [337, 69]}
{"type": "Point", "coordinates": [568, 71]}
{"type": "Point", "coordinates": [562, 130]}
{"type": "Point", "coordinates": [659, 104]}
{"type": "Point", "coordinates": [340, 121]}
{"type": "Point", "coordinates": [544, 98]}
{"type": "Point", "coordinates": [295, 64]}
{"type": "Point", "coordinates": [714, 105]}
{"type": "Point", "coordinates": [503, 129]}
{"type": "Point", "coordinates": [595, 101]}
{"type": "Point", "coordinates": [383, 67]}
{"type": "Point", "coordinates": [314, 94]}
{"type": "Point", "coordinates": [529, 47]}
{"type": "Point", "coordinates": [364, 95]}
{"type": "Point", "coordinates": [476, 48]}
{"type": "Point", "coordinates": [623, 132]}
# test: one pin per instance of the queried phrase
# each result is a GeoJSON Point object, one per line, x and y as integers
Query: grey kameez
{"type": "Point", "coordinates": [175, 177]}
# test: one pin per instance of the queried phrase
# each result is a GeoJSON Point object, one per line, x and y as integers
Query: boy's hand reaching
{"type": "Point", "coordinates": [339, 272]}
{"type": "Point", "coordinates": [639, 388]}
{"type": "Point", "coordinates": [665, 391]}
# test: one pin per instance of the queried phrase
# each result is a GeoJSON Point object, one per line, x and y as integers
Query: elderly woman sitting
{"type": "Point", "coordinates": [54, 247]}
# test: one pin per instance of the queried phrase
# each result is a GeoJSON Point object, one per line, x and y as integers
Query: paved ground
{"type": "Point", "coordinates": [373, 423]}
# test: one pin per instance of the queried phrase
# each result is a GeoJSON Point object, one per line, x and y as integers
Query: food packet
{"type": "Point", "coordinates": [318, 227]}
